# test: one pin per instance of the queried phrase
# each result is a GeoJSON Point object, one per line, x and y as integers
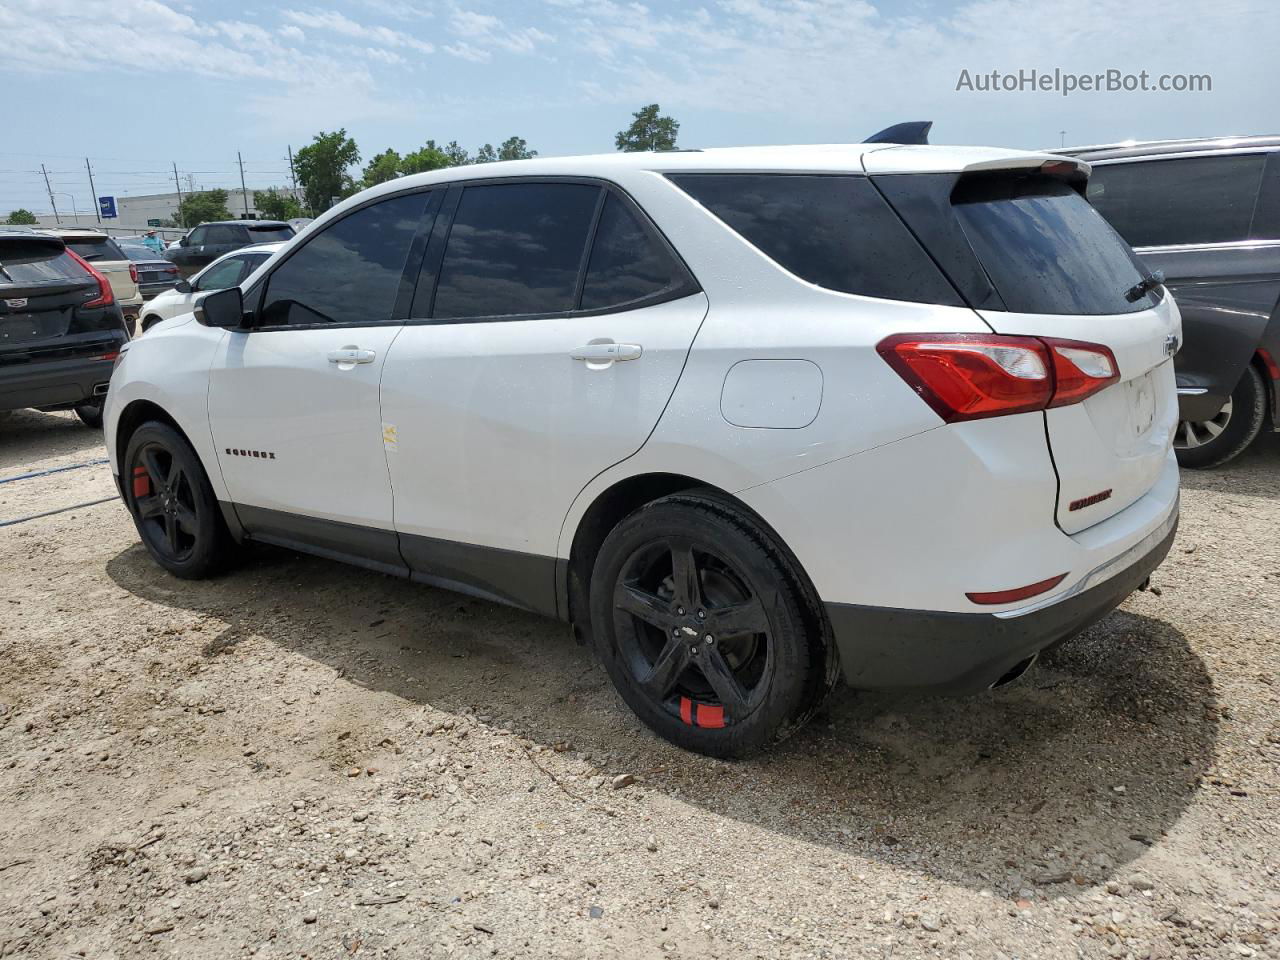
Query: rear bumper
{"type": "Point", "coordinates": [54, 382]}
{"type": "Point", "coordinates": [885, 648]}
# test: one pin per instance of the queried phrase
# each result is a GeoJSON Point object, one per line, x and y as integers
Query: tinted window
{"type": "Point", "coordinates": [198, 237]}
{"type": "Point", "coordinates": [1192, 200]}
{"type": "Point", "coordinates": [835, 231]}
{"type": "Point", "coordinates": [138, 253]}
{"type": "Point", "coordinates": [223, 274]}
{"type": "Point", "coordinates": [27, 262]}
{"type": "Point", "coordinates": [225, 233]}
{"type": "Point", "coordinates": [515, 248]}
{"type": "Point", "coordinates": [267, 234]}
{"type": "Point", "coordinates": [350, 272]}
{"type": "Point", "coordinates": [627, 262]}
{"type": "Point", "coordinates": [97, 248]}
{"type": "Point", "coordinates": [1045, 249]}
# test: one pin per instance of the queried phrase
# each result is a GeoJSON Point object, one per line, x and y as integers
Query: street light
{"type": "Point", "coordinates": [74, 212]}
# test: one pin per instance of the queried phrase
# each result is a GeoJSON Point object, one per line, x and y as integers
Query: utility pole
{"type": "Point", "coordinates": [93, 192]}
{"type": "Point", "coordinates": [52, 202]}
{"type": "Point", "coordinates": [293, 175]}
{"type": "Point", "coordinates": [244, 191]}
{"type": "Point", "coordinates": [177, 185]}
{"type": "Point", "coordinates": [1062, 134]}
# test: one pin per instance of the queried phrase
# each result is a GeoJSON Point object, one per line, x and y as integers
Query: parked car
{"type": "Point", "coordinates": [60, 327]}
{"type": "Point", "coordinates": [107, 257]}
{"type": "Point", "coordinates": [209, 241]}
{"type": "Point", "coordinates": [227, 271]}
{"type": "Point", "coordinates": [155, 273]}
{"type": "Point", "coordinates": [865, 411]}
{"type": "Point", "coordinates": [1207, 214]}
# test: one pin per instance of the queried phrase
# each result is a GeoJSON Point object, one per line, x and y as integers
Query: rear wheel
{"type": "Point", "coordinates": [1211, 443]}
{"type": "Point", "coordinates": [702, 627]}
{"type": "Point", "coordinates": [90, 413]}
{"type": "Point", "coordinates": [173, 504]}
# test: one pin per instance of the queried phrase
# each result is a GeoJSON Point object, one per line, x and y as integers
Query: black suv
{"type": "Point", "coordinates": [1207, 214]}
{"type": "Point", "coordinates": [207, 242]}
{"type": "Point", "coordinates": [60, 327]}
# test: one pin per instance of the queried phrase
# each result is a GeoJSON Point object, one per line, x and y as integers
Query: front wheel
{"type": "Point", "coordinates": [703, 628]}
{"type": "Point", "coordinates": [173, 504]}
{"type": "Point", "coordinates": [1211, 443]}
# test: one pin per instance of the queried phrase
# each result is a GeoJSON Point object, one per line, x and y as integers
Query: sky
{"type": "Point", "coordinates": [140, 85]}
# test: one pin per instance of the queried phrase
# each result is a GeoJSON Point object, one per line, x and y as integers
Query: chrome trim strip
{"type": "Point", "coordinates": [1260, 244]}
{"type": "Point", "coordinates": [1183, 154]}
{"type": "Point", "coordinates": [1192, 391]}
{"type": "Point", "coordinates": [1108, 569]}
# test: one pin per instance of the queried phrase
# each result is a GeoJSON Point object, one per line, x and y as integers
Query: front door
{"type": "Point", "coordinates": [539, 365]}
{"type": "Point", "coordinates": [293, 402]}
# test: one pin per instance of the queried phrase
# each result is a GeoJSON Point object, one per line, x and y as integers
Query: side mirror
{"type": "Point", "coordinates": [182, 241]}
{"type": "Point", "coordinates": [183, 286]}
{"type": "Point", "coordinates": [222, 308]}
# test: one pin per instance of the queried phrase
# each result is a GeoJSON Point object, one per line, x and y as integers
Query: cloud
{"type": "Point", "coordinates": [483, 30]}
{"type": "Point", "coordinates": [336, 22]}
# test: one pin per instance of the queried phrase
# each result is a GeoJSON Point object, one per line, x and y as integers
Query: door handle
{"type": "Point", "coordinates": [608, 352]}
{"type": "Point", "coordinates": [351, 355]}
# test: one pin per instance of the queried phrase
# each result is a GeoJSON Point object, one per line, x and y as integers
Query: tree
{"type": "Point", "coordinates": [515, 148]}
{"type": "Point", "coordinates": [198, 208]}
{"type": "Point", "coordinates": [430, 157]}
{"type": "Point", "coordinates": [383, 167]}
{"type": "Point", "coordinates": [21, 216]}
{"type": "Point", "coordinates": [323, 168]}
{"type": "Point", "coordinates": [277, 206]}
{"type": "Point", "coordinates": [485, 154]}
{"type": "Point", "coordinates": [648, 131]}
{"type": "Point", "coordinates": [457, 154]}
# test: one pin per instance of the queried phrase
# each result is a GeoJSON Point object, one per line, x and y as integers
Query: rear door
{"type": "Point", "coordinates": [1061, 272]}
{"type": "Point", "coordinates": [550, 325]}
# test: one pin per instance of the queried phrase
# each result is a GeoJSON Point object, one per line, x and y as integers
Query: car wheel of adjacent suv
{"type": "Point", "coordinates": [149, 321]}
{"type": "Point", "coordinates": [90, 413]}
{"type": "Point", "coordinates": [1211, 443]}
{"type": "Point", "coordinates": [172, 503]}
{"type": "Point", "coordinates": [703, 628]}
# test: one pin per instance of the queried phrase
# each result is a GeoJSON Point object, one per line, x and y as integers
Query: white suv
{"type": "Point", "coordinates": [750, 419]}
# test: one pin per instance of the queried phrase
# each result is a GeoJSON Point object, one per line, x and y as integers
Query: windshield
{"type": "Point", "coordinates": [96, 248]}
{"type": "Point", "coordinates": [267, 234]}
{"type": "Point", "coordinates": [1046, 250]}
{"type": "Point", "coordinates": [137, 253]}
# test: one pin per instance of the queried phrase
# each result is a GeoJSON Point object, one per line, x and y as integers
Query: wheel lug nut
{"type": "Point", "coordinates": [675, 631]}
{"type": "Point", "coordinates": [694, 651]}
{"type": "Point", "coordinates": [702, 614]}
{"type": "Point", "coordinates": [709, 638]}
{"type": "Point", "coordinates": [680, 611]}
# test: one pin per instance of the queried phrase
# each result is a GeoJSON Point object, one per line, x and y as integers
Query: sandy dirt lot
{"type": "Point", "coordinates": [302, 759]}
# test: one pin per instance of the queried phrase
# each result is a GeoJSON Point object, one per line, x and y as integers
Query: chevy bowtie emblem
{"type": "Point", "coordinates": [1171, 345]}
{"type": "Point", "coordinates": [16, 304]}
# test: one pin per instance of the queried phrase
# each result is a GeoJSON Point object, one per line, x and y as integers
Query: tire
{"type": "Point", "coordinates": [655, 626]}
{"type": "Point", "coordinates": [1212, 443]}
{"type": "Point", "coordinates": [173, 505]}
{"type": "Point", "coordinates": [149, 321]}
{"type": "Point", "coordinates": [90, 413]}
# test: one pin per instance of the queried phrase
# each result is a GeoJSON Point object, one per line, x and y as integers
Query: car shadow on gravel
{"type": "Point", "coordinates": [28, 437]}
{"type": "Point", "coordinates": [1255, 473]}
{"type": "Point", "coordinates": [1051, 785]}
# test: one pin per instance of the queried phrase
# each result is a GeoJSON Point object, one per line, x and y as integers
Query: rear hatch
{"type": "Point", "coordinates": [40, 288]}
{"type": "Point", "coordinates": [107, 257]}
{"type": "Point", "coordinates": [1033, 258]}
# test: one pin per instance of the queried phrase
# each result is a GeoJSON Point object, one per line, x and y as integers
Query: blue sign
{"type": "Point", "coordinates": [107, 207]}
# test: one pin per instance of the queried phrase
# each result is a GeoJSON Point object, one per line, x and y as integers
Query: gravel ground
{"type": "Point", "coordinates": [304, 759]}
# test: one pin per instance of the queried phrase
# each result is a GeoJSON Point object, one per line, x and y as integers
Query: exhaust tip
{"type": "Point", "coordinates": [100, 389]}
{"type": "Point", "coordinates": [1015, 672]}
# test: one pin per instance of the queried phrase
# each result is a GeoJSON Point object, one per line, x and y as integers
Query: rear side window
{"type": "Point", "coordinates": [835, 231]}
{"type": "Point", "coordinates": [1045, 249]}
{"type": "Point", "coordinates": [628, 263]}
{"type": "Point", "coordinates": [97, 249]}
{"type": "Point", "coordinates": [350, 272]}
{"type": "Point", "coordinates": [269, 233]}
{"type": "Point", "coordinates": [1189, 200]}
{"type": "Point", "coordinates": [23, 262]}
{"type": "Point", "coordinates": [515, 248]}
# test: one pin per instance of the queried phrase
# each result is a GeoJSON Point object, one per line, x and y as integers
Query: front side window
{"type": "Point", "coordinates": [1189, 200]}
{"type": "Point", "coordinates": [198, 237]}
{"type": "Point", "coordinates": [627, 262]}
{"type": "Point", "coordinates": [351, 271]}
{"type": "Point", "coordinates": [225, 233]}
{"type": "Point", "coordinates": [835, 231]}
{"type": "Point", "coordinates": [515, 248]}
{"type": "Point", "coordinates": [223, 274]}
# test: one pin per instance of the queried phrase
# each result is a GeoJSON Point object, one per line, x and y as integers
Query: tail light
{"type": "Point", "coordinates": [105, 297]}
{"type": "Point", "coordinates": [133, 272]}
{"type": "Point", "coordinates": [967, 376]}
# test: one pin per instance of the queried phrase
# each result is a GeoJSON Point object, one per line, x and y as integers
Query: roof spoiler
{"type": "Point", "coordinates": [913, 132]}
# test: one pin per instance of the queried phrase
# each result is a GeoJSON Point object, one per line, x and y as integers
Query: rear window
{"type": "Point", "coordinates": [270, 233]}
{"type": "Point", "coordinates": [138, 254]}
{"type": "Point", "coordinates": [1045, 249]}
{"type": "Point", "coordinates": [1190, 200]}
{"type": "Point", "coordinates": [835, 231]}
{"type": "Point", "coordinates": [25, 262]}
{"type": "Point", "coordinates": [97, 248]}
